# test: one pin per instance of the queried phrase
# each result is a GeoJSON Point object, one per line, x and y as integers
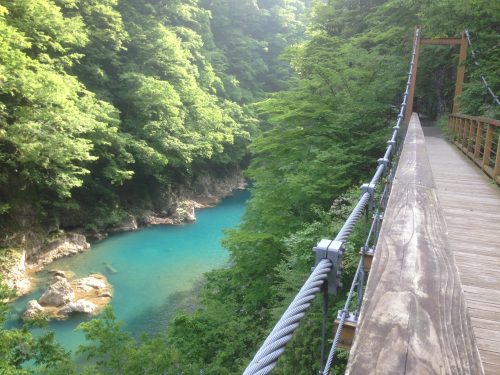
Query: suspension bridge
{"type": "Point", "coordinates": [425, 298]}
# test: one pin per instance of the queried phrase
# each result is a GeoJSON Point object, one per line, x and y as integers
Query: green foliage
{"type": "Point", "coordinates": [108, 105]}
{"type": "Point", "coordinates": [19, 346]}
{"type": "Point", "coordinates": [102, 97]}
{"type": "Point", "coordinates": [325, 133]}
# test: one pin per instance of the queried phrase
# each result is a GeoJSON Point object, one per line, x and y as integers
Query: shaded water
{"type": "Point", "coordinates": [157, 269]}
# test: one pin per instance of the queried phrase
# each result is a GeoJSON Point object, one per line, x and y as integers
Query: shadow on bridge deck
{"type": "Point", "coordinates": [471, 205]}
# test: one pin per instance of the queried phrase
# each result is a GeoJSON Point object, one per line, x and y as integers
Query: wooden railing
{"type": "Point", "coordinates": [413, 318]}
{"type": "Point", "coordinates": [478, 138]}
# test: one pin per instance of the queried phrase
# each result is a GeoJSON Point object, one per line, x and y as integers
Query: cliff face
{"type": "Point", "coordinates": [28, 248]}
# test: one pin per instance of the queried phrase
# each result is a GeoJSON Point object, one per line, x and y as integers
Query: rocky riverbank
{"type": "Point", "coordinates": [19, 265]}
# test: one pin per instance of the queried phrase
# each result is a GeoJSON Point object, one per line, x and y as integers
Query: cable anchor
{"type": "Point", "coordinates": [332, 250]}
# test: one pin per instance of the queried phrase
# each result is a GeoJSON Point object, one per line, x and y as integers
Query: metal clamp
{"type": "Point", "coordinates": [332, 250]}
{"type": "Point", "coordinates": [370, 189]}
{"type": "Point", "coordinates": [383, 161]}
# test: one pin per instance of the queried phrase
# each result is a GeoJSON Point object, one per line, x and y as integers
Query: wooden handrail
{"type": "Point", "coordinates": [413, 318]}
{"type": "Point", "coordinates": [479, 139]}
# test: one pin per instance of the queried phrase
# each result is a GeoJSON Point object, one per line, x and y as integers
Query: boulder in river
{"type": "Point", "coordinates": [86, 295]}
{"type": "Point", "coordinates": [80, 306]}
{"type": "Point", "coordinates": [90, 283]}
{"type": "Point", "coordinates": [58, 293]}
{"type": "Point", "coordinates": [33, 309]}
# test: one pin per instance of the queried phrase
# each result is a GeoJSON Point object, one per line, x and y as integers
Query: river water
{"type": "Point", "coordinates": [154, 271]}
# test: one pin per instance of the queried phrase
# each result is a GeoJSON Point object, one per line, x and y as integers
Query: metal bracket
{"type": "Point", "coordinates": [350, 316]}
{"type": "Point", "coordinates": [333, 250]}
{"type": "Point", "coordinates": [368, 188]}
{"type": "Point", "coordinates": [383, 161]}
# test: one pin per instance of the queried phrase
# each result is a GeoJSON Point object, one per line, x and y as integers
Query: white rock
{"type": "Point", "coordinates": [81, 306]}
{"type": "Point", "coordinates": [59, 273]}
{"type": "Point", "coordinates": [67, 244]}
{"type": "Point", "coordinates": [58, 293]}
{"type": "Point", "coordinates": [128, 224]}
{"type": "Point", "coordinates": [89, 283]}
{"type": "Point", "coordinates": [33, 309]}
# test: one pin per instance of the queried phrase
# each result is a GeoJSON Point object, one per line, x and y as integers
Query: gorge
{"type": "Point", "coordinates": [154, 271]}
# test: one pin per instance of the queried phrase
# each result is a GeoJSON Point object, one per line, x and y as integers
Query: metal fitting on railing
{"type": "Point", "coordinates": [370, 188]}
{"type": "Point", "coordinates": [332, 250]}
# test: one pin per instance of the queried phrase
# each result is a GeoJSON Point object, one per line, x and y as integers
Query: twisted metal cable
{"type": "Point", "coordinates": [345, 311]}
{"type": "Point", "coordinates": [351, 221]}
{"type": "Point", "coordinates": [266, 357]}
{"type": "Point", "coordinates": [343, 316]}
{"type": "Point", "coordinates": [483, 78]}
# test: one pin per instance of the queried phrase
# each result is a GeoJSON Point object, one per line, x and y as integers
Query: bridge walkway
{"type": "Point", "coordinates": [471, 205]}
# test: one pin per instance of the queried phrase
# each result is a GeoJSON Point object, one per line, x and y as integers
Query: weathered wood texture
{"type": "Point", "coordinates": [471, 206]}
{"type": "Point", "coordinates": [413, 319]}
{"type": "Point", "coordinates": [479, 139]}
{"type": "Point", "coordinates": [441, 41]}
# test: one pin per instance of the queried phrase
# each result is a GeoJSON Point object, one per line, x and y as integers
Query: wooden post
{"type": "Point", "coordinates": [479, 140]}
{"type": "Point", "coordinates": [464, 134]}
{"type": "Point", "coordinates": [471, 138]}
{"type": "Point", "coordinates": [496, 171]}
{"type": "Point", "coordinates": [487, 146]}
{"type": "Point", "coordinates": [459, 85]}
{"type": "Point", "coordinates": [348, 331]}
{"type": "Point", "coordinates": [409, 106]}
{"type": "Point", "coordinates": [367, 262]}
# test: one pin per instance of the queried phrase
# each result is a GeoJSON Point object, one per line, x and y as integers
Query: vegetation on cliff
{"type": "Point", "coordinates": [145, 94]}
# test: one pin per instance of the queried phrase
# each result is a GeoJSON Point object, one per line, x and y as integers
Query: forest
{"type": "Point", "coordinates": [110, 106]}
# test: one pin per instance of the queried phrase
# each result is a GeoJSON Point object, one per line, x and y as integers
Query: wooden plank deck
{"type": "Point", "coordinates": [414, 319]}
{"type": "Point", "coordinates": [471, 206]}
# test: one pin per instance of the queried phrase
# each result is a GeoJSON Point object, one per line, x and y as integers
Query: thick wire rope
{"type": "Point", "coordinates": [345, 311]}
{"type": "Point", "coordinates": [483, 78]}
{"type": "Point", "coordinates": [266, 357]}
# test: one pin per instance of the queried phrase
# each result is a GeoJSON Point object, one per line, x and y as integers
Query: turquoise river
{"type": "Point", "coordinates": [157, 270]}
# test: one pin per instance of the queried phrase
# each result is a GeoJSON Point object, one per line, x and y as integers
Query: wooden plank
{"type": "Point", "coordinates": [488, 345]}
{"type": "Point", "coordinates": [477, 118]}
{"type": "Point", "coordinates": [484, 314]}
{"type": "Point", "coordinates": [472, 211]}
{"type": "Point", "coordinates": [414, 319]}
{"type": "Point", "coordinates": [441, 41]}
{"type": "Point", "coordinates": [486, 324]}
{"type": "Point", "coordinates": [490, 357]}
{"type": "Point", "coordinates": [491, 369]}
{"type": "Point", "coordinates": [488, 334]}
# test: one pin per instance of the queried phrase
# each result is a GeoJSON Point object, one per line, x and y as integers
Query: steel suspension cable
{"type": "Point", "coordinates": [482, 77]}
{"type": "Point", "coordinates": [345, 311]}
{"type": "Point", "coordinates": [266, 357]}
